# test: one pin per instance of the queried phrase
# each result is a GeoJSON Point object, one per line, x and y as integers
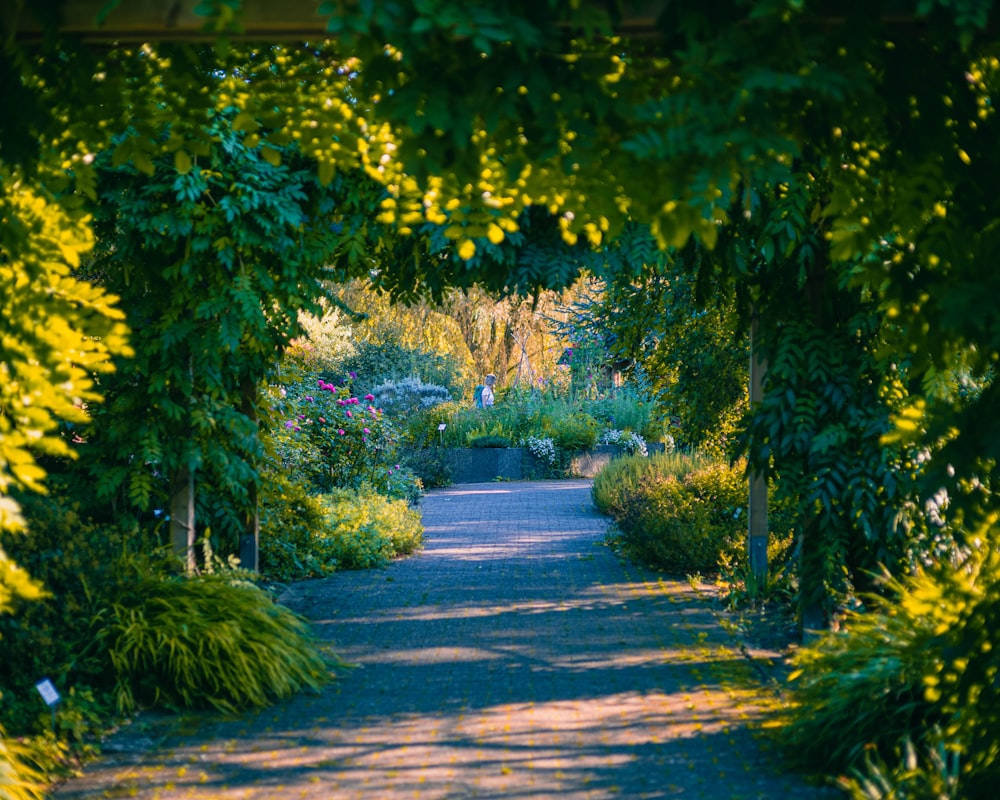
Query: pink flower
{"type": "Point", "coordinates": [321, 419]}
{"type": "Point", "coordinates": [341, 402]}
{"type": "Point", "coordinates": [340, 431]}
{"type": "Point", "coordinates": [349, 414]}
{"type": "Point", "coordinates": [308, 398]}
{"type": "Point", "coordinates": [322, 383]}
{"type": "Point", "coordinates": [331, 388]}
{"type": "Point", "coordinates": [367, 431]}
{"type": "Point", "coordinates": [354, 401]}
{"type": "Point", "coordinates": [369, 397]}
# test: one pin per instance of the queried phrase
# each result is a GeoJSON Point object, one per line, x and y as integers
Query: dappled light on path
{"type": "Point", "coordinates": [515, 657]}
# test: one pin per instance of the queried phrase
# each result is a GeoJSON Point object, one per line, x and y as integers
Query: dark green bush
{"type": "Point", "coordinates": [290, 516]}
{"type": "Point", "coordinates": [79, 561]}
{"type": "Point", "coordinates": [429, 465]}
{"type": "Point", "coordinates": [375, 363]}
{"type": "Point", "coordinates": [489, 440]}
{"type": "Point", "coordinates": [574, 432]}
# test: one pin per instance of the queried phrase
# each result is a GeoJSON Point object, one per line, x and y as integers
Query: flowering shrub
{"type": "Point", "coordinates": [334, 439]}
{"type": "Point", "coordinates": [542, 448]}
{"type": "Point", "coordinates": [630, 441]}
{"type": "Point", "coordinates": [411, 394]}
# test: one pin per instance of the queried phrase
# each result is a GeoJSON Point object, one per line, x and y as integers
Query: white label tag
{"type": "Point", "coordinates": [48, 692]}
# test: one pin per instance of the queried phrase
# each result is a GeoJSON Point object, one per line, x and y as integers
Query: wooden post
{"type": "Point", "coordinates": [757, 544]}
{"type": "Point", "coordinates": [182, 518]}
{"type": "Point", "coordinates": [250, 536]}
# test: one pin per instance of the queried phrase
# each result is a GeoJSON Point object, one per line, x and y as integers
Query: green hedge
{"type": "Point", "coordinates": [683, 513]}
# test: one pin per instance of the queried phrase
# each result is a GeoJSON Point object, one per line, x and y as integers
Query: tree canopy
{"type": "Point", "coordinates": [819, 153]}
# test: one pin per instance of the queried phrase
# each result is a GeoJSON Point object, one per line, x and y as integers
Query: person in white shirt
{"type": "Point", "coordinates": [488, 396]}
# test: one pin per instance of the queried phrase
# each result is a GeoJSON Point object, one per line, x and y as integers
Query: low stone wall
{"type": "Point", "coordinates": [484, 464]}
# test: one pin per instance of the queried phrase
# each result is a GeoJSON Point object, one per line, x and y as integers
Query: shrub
{"type": "Point", "coordinates": [684, 524]}
{"type": "Point", "coordinates": [205, 642]}
{"type": "Point", "coordinates": [919, 666]}
{"type": "Point", "coordinates": [290, 515]}
{"type": "Point", "coordinates": [490, 433]}
{"type": "Point", "coordinates": [363, 529]}
{"type": "Point", "coordinates": [79, 561]}
{"type": "Point", "coordinates": [406, 396]}
{"type": "Point", "coordinates": [332, 438]}
{"type": "Point", "coordinates": [420, 428]}
{"type": "Point", "coordinates": [630, 441]}
{"type": "Point", "coordinates": [574, 432]}
{"type": "Point", "coordinates": [625, 412]}
{"type": "Point", "coordinates": [489, 440]}
{"type": "Point", "coordinates": [623, 476]}
{"type": "Point", "coordinates": [380, 362]}
{"type": "Point", "coordinates": [428, 464]}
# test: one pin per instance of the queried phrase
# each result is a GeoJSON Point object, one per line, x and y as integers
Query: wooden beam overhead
{"type": "Point", "coordinates": [260, 20]}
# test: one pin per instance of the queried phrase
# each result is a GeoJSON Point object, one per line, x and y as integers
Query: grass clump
{"type": "Point", "coordinates": [206, 642]}
{"type": "Point", "coordinates": [904, 701]}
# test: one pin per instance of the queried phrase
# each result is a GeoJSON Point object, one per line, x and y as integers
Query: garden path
{"type": "Point", "coordinates": [515, 657]}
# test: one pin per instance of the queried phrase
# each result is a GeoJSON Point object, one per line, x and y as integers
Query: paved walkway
{"type": "Point", "coordinates": [515, 657]}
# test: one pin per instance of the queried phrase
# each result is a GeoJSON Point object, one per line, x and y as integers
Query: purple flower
{"type": "Point", "coordinates": [309, 398]}
{"type": "Point", "coordinates": [289, 424]}
{"type": "Point", "coordinates": [302, 416]}
{"type": "Point", "coordinates": [298, 428]}
{"type": "Point", "coordinates": [353, 375]}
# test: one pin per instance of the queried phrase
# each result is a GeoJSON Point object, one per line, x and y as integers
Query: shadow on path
{"type": "Point", "coordinates": [515, 657]}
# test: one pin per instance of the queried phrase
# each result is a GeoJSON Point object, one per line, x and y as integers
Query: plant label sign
{"type": "Point", "coordinates": [48, 692]}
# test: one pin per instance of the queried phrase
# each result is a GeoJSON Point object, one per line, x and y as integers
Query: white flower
{"type": "Point", "coordinates": [630, 441]}
{"type": "Point", "coordinates": [542, 448]}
